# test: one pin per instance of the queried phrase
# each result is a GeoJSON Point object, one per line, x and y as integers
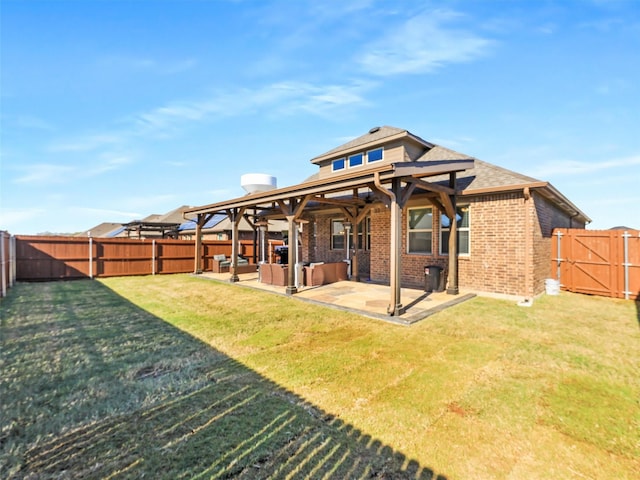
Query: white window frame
{"type": "Point", "coordinates": [362, 160]}
{"type": "Point", "coordinates": [419, 230]}
{"type": "Point", "coordinates": [364, 234]}
{"type": "Point", "coordinates": [373, 150]}
{"type": "Point", "coordinates": [333, 236]}
{"type": "Point", "coordinates": [459, 229]}
{"type": "Point", "coordinates": [333, 164]}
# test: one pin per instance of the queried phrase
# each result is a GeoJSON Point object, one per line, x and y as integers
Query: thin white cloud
{"type": "Point", "coordinates": [44, 173]}
{"type": "Point", "coordinates": [143, 64]}
{"type": "Point", "coordinates": [107, 163]}
{"type": "Point", "coordinates": [576, 167]}
{"type": "Point", "coordinates": [423, 44]}
{"type": "Point", "coordinates": [87, 143]}
{"type": "Point", "coordinates": [49, 173]}
{"type": "Point", "coordinates": [11, 218]}
{"type": "Point", "coordinates": [276, 99]}
{"type": "Point", "coordinates": [104, 212]}
{"type": "Point", "coordinates": [281, 97]}
{"type": "Point", "coordinates": [33, 123]}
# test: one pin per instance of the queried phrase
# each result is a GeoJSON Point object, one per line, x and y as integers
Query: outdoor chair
{"type": "Point", "coordinates": [265, 273]}
{"type": "Point", "coordinates": [221, 264]}
{"type": "Point", "coordinates": [279, 274]}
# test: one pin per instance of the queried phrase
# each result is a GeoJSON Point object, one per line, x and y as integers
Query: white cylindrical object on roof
{"type": "Point", "coordinates": [258, 182]}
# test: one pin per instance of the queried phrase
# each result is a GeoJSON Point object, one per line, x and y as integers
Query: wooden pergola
{"type": "Point", "coordinates": [392, 184]}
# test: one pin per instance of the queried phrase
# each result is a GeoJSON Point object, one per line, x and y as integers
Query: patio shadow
{"type": "Point", "coordinates": [100, 388]}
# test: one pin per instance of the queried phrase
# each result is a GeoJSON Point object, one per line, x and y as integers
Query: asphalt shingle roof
{"type": "Point", "coordinates": [483, 175]}
{"type": "Point", "coordinates": [374, 135]}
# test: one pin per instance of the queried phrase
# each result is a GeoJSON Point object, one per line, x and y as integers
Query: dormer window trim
{"type": "Point", "coordinates": [358, 159]}
{"type": "Point", "coordinates": [375, 150]}
{"type": "Point", "coordinates": [339, 164]}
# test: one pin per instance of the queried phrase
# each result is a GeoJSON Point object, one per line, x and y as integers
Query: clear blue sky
{"type": "Point", "coordinates": [113, 110]}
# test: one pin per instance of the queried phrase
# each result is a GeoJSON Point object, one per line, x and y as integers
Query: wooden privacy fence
{"type": "Point", "coordinates": [53, 258]}
{"type": "Point", "coordinates": [597, 262]}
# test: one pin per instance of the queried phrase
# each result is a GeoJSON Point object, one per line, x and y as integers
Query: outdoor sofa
{"type": "Point", "coordinates": [222, 264]}
{"type": "Point", "coordinates": [274, 274]}
{"type": "Point", "coordinates": [325, 273]}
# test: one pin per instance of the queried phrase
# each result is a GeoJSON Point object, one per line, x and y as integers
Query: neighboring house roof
{"type": "Point", "coordinates": [190, 225]}
{"type": "Point", "coordinates": [622, 227]}
{"type": "Point", "coordinates": [105, 229]}
{"type": "Point", "coordinates": [220, 222]}
{"type": "Point", "coordinates": [174, 216]}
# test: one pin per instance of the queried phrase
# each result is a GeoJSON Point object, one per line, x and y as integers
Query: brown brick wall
{"type": "Point", "coordinates": [496, 263]}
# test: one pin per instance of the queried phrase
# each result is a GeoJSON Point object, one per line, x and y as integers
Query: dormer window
{"type": "Point", "coordinates": [374, 155]}
{"type": "Point", "coordinates": [338, 165]}
{"type": "Point", "coordinates": [356, 160]}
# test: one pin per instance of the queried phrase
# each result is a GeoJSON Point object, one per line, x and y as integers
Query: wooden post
{"type": "Point", "coordinates": [452, 286]}
{"type": "Point", "coordinates": [528, 267]}
{"type": "Point", "coordinates": [395, 307]}
{"type": "Point", "coordinates": [354, 242]}
{"type": "Point", "coordinates": [153, 256]}
{"type": "Point", "coordinates": [293, 251]}
{"type": "Point", "coordinates": [2, 266]}
{"type": "Point", "coordinates": [235, 217]}
{"type": "Point", "coordinates": [90, 257]}
{"type": "Point", "coordinates": [197, 269]}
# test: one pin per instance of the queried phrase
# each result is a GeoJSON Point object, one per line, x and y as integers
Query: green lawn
{"type": "Point", "coordinates": [181, 377]}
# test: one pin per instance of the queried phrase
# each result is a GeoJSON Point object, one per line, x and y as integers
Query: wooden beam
{"type": "Point", "coordinates": [430, 187]}
{"type": "Point", "coordinates": [447, 204]}
{"type": "Point", "coordinates": [337, 201]}
{"type": "Point", "coordinates": [300, 207]}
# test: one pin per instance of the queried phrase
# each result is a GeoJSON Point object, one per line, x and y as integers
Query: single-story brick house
{"type": "Point", "coordinates": [386, 202]}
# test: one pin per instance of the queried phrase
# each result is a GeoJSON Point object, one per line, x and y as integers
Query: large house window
{"type": "Point", "coordinates": [420, 230]}
{"type": "Point", "coordinates": [462, 224]}
{"type": "Point", "coordinates": [364, 234]}
{"type": "Point", "coordinates": [338, 165]}
{"type": "Point", "coordinates": [337, 235]}
{"type": "Point", "coordinates": [374, 155]}
{"type": "Point", "coordinates": [356, 160]}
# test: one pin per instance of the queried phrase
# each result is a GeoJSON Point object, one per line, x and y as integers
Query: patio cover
{"type": "Point", "coordinates": [392, 184]}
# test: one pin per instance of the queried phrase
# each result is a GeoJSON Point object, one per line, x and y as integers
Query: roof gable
{"type": "Point", "coordinates": [375, 136]}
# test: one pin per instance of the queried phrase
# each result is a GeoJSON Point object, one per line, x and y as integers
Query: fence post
{"type": "Point", "coordinates": [558, 256]}
{"type": "Point", "coordinates": [153, 256]}
{"type": "Point", "coordinates": [2, 265]}
{"type": "Point", "coordinates": [626, 264]}
{"type": "Point", "coordinates": [12, 256]}
{"type": "Point", "coordinates": [90, 257]}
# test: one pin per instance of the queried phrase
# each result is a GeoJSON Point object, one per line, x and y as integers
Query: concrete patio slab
{"type": "Point", "coordinates": [363, 298]}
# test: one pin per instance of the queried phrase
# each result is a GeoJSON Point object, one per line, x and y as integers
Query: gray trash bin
{"type": "Point", "coordinates": [433, 279]}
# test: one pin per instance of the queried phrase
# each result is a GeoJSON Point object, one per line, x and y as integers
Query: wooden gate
{"type": "Point", "coordinates": [597, 262]}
